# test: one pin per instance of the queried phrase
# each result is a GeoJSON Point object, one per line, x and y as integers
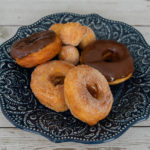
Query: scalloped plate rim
{"type": "Point", "coordinates": [73, 140]}
{"type": "Point", "coordinates": [142, 118]}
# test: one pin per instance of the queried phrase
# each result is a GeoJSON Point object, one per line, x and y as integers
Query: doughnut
{"type": "Point", "coordinates": [111, 58]}
{"type": "Point", "coordinates": [56, 28]}
{"type": "Point", "coordinates": [47, 84]}
{"type": "Point", "coordinates": [36, 49]}
{"type": "Point", "coordinates": [87, 94]}
{"type": "Point", "coordinates": [72, 33]}
{"type": "Point", "coordinates": [88, 39]}
{"type": "Point", "coordinates": [69, 53]}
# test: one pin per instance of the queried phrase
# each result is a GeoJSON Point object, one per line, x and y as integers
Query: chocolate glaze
{"type": "Point", "coordinates": [32, 44]}
{"type": "Point", "coordinates": [116, 66]}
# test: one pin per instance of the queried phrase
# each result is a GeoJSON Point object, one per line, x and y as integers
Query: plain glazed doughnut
{"type": "Point", "coordinates": [36, 49]}
{"type": "Point", "coordinates": [69, 53]}
{"type": "Point", "coordinates": [111, 58]}
{"type": "Point", "coordinates": [87, 94]}
{"type": "Point", "coordinates": [47, 84]}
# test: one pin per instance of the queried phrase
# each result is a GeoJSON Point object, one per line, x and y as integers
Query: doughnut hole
{"type": "Point", "coordinates": [70, 54]}
{"type": "Point", "coordinates": [88, 39]}
{"type": "Point", "coordinates": [110, 56]}
{"type": "Point", "coordinates": [56, 28]}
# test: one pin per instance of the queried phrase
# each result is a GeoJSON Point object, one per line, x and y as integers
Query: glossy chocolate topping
{"type": "Point", "coordinates": [111, 58]}
{"type": "Point", "coordinates": [32, 44]}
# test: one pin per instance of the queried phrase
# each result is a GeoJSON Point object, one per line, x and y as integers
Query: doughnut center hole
{"type": "Point", "coordinates": [109, 56]}
{"type": "Point", "coordinates": [93, 90]}
{"type": "Point", "coordinates": [31, 40]}
{"type": "Point", "coordinates": [57, 79]}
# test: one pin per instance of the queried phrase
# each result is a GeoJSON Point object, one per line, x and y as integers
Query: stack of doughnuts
{"type": "Point", "coordinates": [73, 34]}
{"type": "Point", "coordinates": [59, 84]}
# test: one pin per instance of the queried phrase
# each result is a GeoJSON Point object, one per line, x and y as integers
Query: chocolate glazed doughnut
{"type": "Point", "coordinates": [36, 49]}
{"type": "Point", "coordinates": [111, 58]}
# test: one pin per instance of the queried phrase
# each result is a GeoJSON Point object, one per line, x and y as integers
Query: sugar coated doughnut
{"type": "Point", "coordinates": [69, 53]}
{"type": "Point", "coordinates": [56, 28]}
{"type": "Point", "coordinates": [87, 94]}
{"type": "Point", "coordinates": [47, 84]}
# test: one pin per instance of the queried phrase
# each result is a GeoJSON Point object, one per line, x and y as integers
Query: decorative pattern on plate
{"type": "Point", "coordinates": [132, 98]}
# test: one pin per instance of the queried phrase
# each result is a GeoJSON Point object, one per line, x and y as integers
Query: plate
{"type": "Point", "coordinates": [132, 98]}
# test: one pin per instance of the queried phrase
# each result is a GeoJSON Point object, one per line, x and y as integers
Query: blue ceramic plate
{"type": "Point", "coordinates": [132, 98]}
